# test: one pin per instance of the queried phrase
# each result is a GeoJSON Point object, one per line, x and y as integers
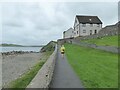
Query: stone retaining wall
{"type": "Point", "coordinates": [44, 75]}
{"type": "Point", "coordinates": [105, 48]}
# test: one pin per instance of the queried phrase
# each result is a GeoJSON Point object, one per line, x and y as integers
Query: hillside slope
{"type": "Point", "coordinates": [96, 68]}
{"type": "Point", "coordinates": [105, 41]}
{"type": "Point", "coordinates": [50, 46]}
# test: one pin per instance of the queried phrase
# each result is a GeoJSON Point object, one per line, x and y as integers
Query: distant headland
{"type": "Point", "coordinates": [16, 45]}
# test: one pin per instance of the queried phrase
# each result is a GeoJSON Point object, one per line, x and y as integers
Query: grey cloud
{"type": "Point", "coordinates": [38, 23]}
{"type": "Point", "coordinates": [13, 25]}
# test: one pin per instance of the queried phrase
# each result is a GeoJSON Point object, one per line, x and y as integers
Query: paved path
{"type": "Point", "coordinates": [64, 76]}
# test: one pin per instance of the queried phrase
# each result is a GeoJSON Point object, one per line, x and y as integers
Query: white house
{"type": "Point", "coordinates": [69, 33]}
{"type": "Point", "coordinates": [86, 25]}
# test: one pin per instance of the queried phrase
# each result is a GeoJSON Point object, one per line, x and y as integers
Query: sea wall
{"type": "Point", "coordinates": [44, 75]}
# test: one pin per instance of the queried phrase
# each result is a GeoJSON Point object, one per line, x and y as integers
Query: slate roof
{"type": "Point", "coordinates": [88, 19]}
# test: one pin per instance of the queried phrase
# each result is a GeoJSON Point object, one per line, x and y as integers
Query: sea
{"type": "Point", "coordinates": [8, 49]}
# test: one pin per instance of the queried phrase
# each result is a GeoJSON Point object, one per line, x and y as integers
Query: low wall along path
{"type": "Point", "coordinates": [44, 75]}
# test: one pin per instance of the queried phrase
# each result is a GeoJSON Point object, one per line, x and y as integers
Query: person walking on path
{"type": "Point", "coordinates": [62, 49]}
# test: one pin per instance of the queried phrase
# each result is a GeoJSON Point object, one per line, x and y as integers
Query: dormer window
{"type": "Point", "coordinates": [90, 19]}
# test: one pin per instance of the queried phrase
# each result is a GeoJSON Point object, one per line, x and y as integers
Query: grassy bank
{"type": "Point", "coordinates": [105, 41]}
{"type": "Point", "coordinates": [50, 46]}
{"type": "Point", "coordinates": [95, 68]}
{"type": "Point", "coordinates": [27, 77]}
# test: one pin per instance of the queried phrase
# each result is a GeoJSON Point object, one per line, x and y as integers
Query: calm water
{"type": "Point", "coordinates": [8, 49]}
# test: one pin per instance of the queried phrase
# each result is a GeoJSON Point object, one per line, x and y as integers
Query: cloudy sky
{"type": "Point", "coordinates": [35, 23]}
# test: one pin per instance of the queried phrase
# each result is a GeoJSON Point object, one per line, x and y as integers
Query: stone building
{"type": "Point", "coordinates": [69, 33]}
{"type": "Point", "coordinates": [86, 25]}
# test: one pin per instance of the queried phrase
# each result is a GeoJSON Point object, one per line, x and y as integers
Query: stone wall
{"type": "Point", "coordinates": [44, 75]}
{"type": "Point", "coordinates": [105, 48]}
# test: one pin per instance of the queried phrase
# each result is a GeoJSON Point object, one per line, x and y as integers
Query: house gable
{"type": "Point", "coordinates": [84, 25]}
{"type": "Point", "coordinates": [76, 22]}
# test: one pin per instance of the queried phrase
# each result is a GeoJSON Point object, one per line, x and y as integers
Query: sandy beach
{"type": "Point", "coordinates": [15, 65]}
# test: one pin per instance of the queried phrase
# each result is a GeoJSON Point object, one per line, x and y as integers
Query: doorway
{"type": "Point", "coordinates": [90, 32]}
{"type": "Point", "coordinates": [95, 31]}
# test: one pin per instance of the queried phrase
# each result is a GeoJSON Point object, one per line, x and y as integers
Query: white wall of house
{"type": "Point", "coordinates": [89, 29]}
{"type": "Point", "coordinates": [86, 29]}
{"type": "Point", "coordinates": [69, 33]}
{"type": "Point", "coordinates": [76, 28]}
{"type": "Point", "coordinates": [82, 29]}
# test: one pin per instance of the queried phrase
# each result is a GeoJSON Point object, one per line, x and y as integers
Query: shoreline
{"type": "Point", "coordinates": [16, 65]}
{"type": "Point", "coordinates": [12, 53]}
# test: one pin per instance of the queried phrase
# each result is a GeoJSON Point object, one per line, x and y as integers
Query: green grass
{"type": "Point", "coordinates": [27, 77]}
{"type": "Point", "coordinates": [95, 68]}
{"type": "Point", "coordinates": [105, 41]}
{"type": "Point", "coordinates": [50, 46]}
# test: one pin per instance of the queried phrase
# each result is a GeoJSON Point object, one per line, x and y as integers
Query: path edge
{"type": "Point", "coordinates": [44, 76]}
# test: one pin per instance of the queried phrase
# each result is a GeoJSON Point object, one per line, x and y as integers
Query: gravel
{"type": "Point", "coordinates": [14, 66]}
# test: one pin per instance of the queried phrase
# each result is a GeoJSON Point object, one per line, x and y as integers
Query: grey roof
{"type": "Point", "coordinates": [88, 19]}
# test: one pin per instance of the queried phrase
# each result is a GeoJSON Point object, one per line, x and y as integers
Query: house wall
{"type": "Point", "coordinates": [87, 29]}
{"type": "Point", "coordinates": [76, 28]}
{"type": "Point", "coordinates": [69, 33]}
{"type": "Point", "coordinates": [79, 29]}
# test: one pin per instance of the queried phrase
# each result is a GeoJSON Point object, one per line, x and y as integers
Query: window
{"type": "Point", "coordinates": [91, 25]}
{"type": "Point", "coordinates": [90, 19]}
{"type": "Point", "coordinates": [84, 31]}
{"type": "Point", "coordinates": [84, 25]}
{"type": "Point", "coordinates": [77, 32]}
{"type": "Point", "coordinates": [95, 31]}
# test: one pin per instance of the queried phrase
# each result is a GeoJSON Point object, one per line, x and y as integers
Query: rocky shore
{"type": "Point", "coordinates": [16, 63]}
{"type": "Point", "coordinates": [5, 54]}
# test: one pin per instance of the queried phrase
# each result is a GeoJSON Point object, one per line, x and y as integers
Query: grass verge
{"type": "Point", "coordinates": [95, 68]}
{"type": "Point", "coordinates": [105, 41]}
{"type": "Point", "coordinates": [26, 78]}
